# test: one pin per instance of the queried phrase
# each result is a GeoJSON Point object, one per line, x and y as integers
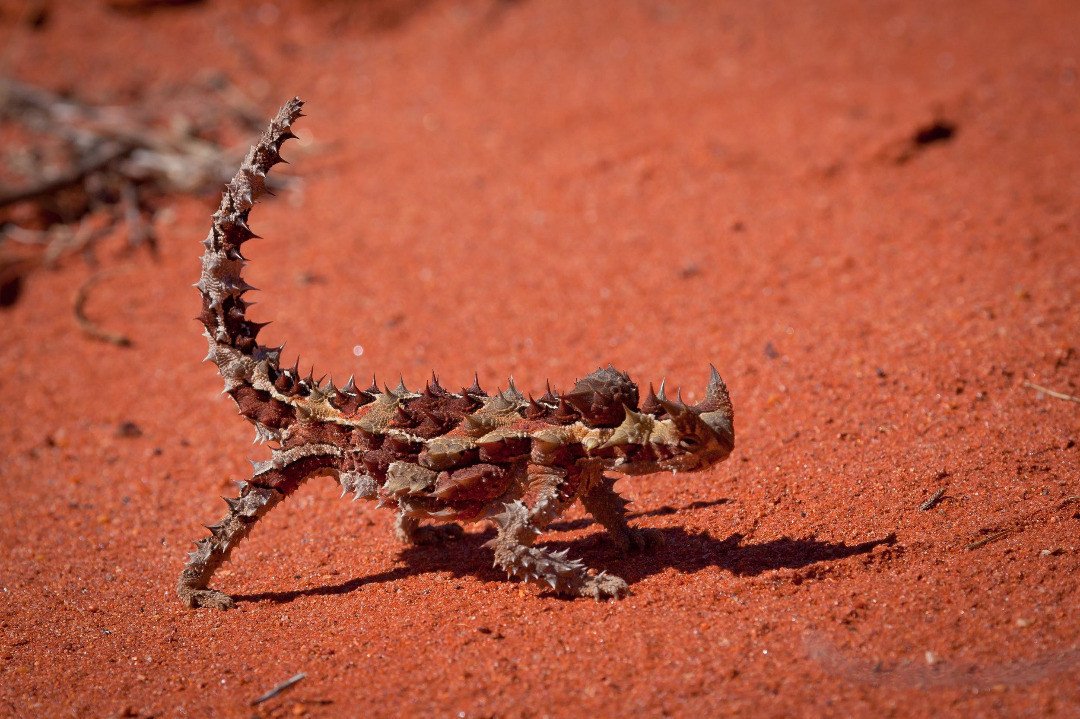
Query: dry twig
{"type": "Point", "coordinates": [112, 162]}
{"type": "Point", "coordinates": [278, 689]}
{"type": "Point", "coordinates": [934, 499]}
{"type": "Point", "coordinates": [986, 540]}
{"type": "Point", "coordinates": [1052, 393]}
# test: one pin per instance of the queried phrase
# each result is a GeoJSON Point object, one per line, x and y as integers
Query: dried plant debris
{"type": "Point", "coordinates": [517, 462]}
{"type": "Point", "coordinates": [1051, 393]}
{"type": "Point", "coordinates": [935, 132]}
{"type": "Point", "coordinates": [276, 691]}
{"type": "Point", "coordinates": [73, 173]}
{"type": "Point", "coordinates": [135, 7]}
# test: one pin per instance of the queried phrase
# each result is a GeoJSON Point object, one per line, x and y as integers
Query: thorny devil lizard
{"type": "Point", "coordinates": [516, 462]}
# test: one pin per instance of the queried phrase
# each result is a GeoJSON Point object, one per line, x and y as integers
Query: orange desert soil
{"type": "Point", "coordinates": [865, 214]}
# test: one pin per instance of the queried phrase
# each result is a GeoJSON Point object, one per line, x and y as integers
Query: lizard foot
{"type": "Point", "coordinates": [604, 586]}
{"type": "Point", "coordinates": [211, 598]}
{"type": "Point", "coordinates": [429, 534]}
{"type": "Point", "coordinates": [636, 541]}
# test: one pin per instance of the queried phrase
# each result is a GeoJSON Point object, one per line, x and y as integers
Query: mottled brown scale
{"type": "Point", "coordinates": [601, 396]}
{"type": "Point", "coordinates": [434, 414]}
{"type": "Point", "coordinates": [477, 483]}
{"type": "Point", "coordinates": [392, 449]}
{"type": "Point", "coordinates": [563, 455]}
{"type": "Point", "coordinates": [447, 454]}
{"type": "Point", "coordinates": [287, 383]}
{"type": "Point", "coordinates": [259, 406]}
{"type": "Point", "coordinates": [505, 449]}
{"type": "Point", "coordinates": [287, 479]}
{"type": "Point", "coordinates": [364, 441]}
{"type": "Point", "coordinates": [563, 414]}
{"type": "Point", "coordinates": [348, 403]}
{"type": "Point", "coordinates": [317, 433]}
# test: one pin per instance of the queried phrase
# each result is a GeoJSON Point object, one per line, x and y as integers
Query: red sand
{"type": "Point", "coordinates": [538, 188]}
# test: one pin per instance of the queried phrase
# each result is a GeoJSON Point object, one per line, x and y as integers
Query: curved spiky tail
{"type": "Point", "coordinates": [247, 367]}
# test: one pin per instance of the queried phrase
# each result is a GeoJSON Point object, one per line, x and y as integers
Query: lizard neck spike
{"type": "Point", "coordinates": [662, 395]}
{"type": "Point", "coordinates": [283, 382]}
{"type": "Point", "coordinates": [435, 382]}
{"type": "Point", "coordinates": [433, 388]}
{"type": "Point", "coordinates": [550, 396]}
{"type": "Point", "coordinates": [716, 410]}
{"type": "Point", "coordinates": [350, 386]}
{"type": "Point", "coordinates": [564, 413]}
{"type": "Point", "coordinates": [717, 398]}
{"type": "Point", "coordinates": [401, 389]}
{"type": "Point", "coordinates": [651, 405]}
{"type": "Point", "coordinates": [676, 410]}
{"type": "Point", "coordinates": [534, 410]}
{"type": "Point", "coordinates": [374, 388]}
{"type": "Point", "coordinates": [474, 389]}
{"type": "Point", "coordinates": [499, 402]}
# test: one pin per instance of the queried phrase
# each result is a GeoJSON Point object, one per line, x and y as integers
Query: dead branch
{"type": "Point", "coordinates": [278, 689]}
{"type": "Point", "coordinates": [986, 540]}
{"type": "Point", "coordinates": [99, 159]}
{"type": "Point", "coordinates": [91, 168]}
{"type": "Point", "coordinates": [934, 499]}
{"type": "Point", "coordinates": [1051, 393]}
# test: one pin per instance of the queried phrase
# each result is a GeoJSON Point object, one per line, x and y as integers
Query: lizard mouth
{"type": "Point", "coordinates": [697, 461]}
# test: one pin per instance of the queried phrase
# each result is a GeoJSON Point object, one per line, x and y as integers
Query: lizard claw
{"type": "Point", "coordinates": [604, 586]}
{"type": "Point", "coordinates": [637, 541]}
{"type": "Point", "coordinates": [211, 598]}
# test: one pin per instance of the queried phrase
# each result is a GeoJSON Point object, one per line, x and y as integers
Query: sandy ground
{"type": "Point", "coordinates": [536, 188]}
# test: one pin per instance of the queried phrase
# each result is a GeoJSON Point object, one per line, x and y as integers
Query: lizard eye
{"type": "Point", "coordinates": [689, 442]}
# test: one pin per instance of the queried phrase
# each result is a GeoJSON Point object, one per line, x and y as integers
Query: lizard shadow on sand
{"type": "Point", "coordinates": [677, 548]}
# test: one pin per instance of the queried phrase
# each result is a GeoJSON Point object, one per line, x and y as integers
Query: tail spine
{"type": "Point", "coordinates": [248, 368]}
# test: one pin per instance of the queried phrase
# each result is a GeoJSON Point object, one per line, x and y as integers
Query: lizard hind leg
{"type": "Point", "coordinates": [515, 554]}
{"type": "Point", "coordinates": [211, 552]}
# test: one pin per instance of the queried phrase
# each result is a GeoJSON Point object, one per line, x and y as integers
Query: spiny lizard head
{"type": "Point", "coordinates": [665, 434]}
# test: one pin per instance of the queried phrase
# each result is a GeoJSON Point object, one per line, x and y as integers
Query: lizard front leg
{"type": "Point", "coordinates": [608, 507]}
{"type": "Point", "coordinates": [211, 552]}
{"type": "Point", "coordinates": [518, 527]}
